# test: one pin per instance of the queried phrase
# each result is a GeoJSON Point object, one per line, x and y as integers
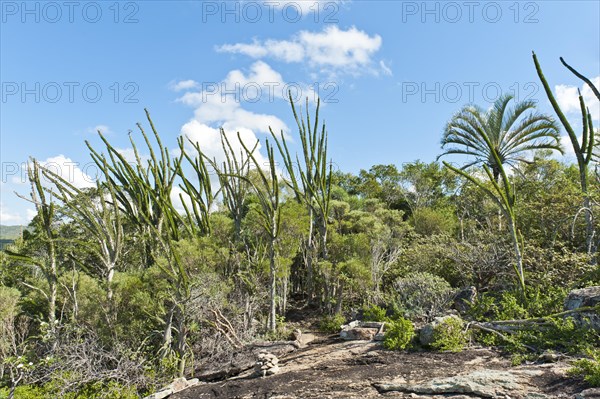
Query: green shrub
{"type": "Point", "coordinates": [399, 334]}
{"type": "Point", "coordinates": [423, 295]}
{"type": "Point", "coordinates": [589, 369]}
{"type": "Point", "coordinates": [374, 313]}
{"type": "Point", "coordinates": [449, 335]}
{"type": "Point", "coordinates": [541, 301]}
{"type": "Point", "coordinates": [332, 324]}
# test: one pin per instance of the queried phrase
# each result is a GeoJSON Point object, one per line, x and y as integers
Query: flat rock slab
{"type": "Point", "coordinates": [482, 383]}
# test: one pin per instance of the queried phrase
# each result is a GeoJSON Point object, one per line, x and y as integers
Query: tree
{"type": "Point", "coordinates": [584, 150]}
{"type": "Point", "coordinates": [143, 192]}
{"type": "Point", "coordinates": [495, 138]}
{"type": "Point", "coordinates": [44, 232]}
{"type": "Point", "coordinates": [267, 191]}
{"type": "Point", "coordinates": [97, 212]}
{"type": "Point", "coordinates": [310, 181]}
{"type": "Point", "coordinates": [507, 132]}
{"type": "Point", "coordinates": [504, 196]}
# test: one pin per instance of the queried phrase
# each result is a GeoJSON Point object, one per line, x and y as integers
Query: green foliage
{"type": "Point", "coordinates": [374, 313]}
{"type": "Point", "coordinates": [96, 390]}
{"type": "Point", "coordinates": [422, 295]}
{"type": "Point", "coordinates": [450, 335]}
{"type": "Point", "coordinates": [562, 334]}
{"type": "Point", "coordinates": [332, 324]}
{"type": "Point", "coordinates": [508, 305]}
{"type": "Point", "coordinates": [589, 369]}
{"type": "Point", "coordinates": [399, 334]}
{"type": "Point", "coordinates": [429, 221]}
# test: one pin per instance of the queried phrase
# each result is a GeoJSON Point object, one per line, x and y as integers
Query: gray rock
{"type": "Point", "coordinates": [352, 324]}
{"type": "Point", "coordinates": [161, 394]}
{"type": "Point", "coordinates": [483, 383]}
{"type": "Point", "coordinates": [371, 324]}
{"type": "Point", "coordinates": [464, 299]}
{"type": "Point", "coordinates": [584, 297]}
{"type": "Point", "coordinates": [361, 334]}
{"type": "Point", "coordinates": [592, 393]}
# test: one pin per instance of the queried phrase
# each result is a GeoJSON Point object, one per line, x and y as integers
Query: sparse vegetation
{"type": "Point", "coordinates": [115, 290]}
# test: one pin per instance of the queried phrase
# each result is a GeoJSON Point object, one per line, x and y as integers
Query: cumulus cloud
{"type": "Point", "coordinates": [69, 170]}
{"type": "Point", "coordinates": [220, 103]}
{"type": "Point", "coordinates": [209, 140]}
{"type": "Point", "coordinates": [183, 85]}
{"type": "Point", "coordinates": [568, 98]}
{"type": "Point", "coordinates": [332, 50]}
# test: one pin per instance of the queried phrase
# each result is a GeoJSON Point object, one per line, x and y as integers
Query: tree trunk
{"type": "Point", "coordinates": [518, 255]}
{"type": "Point", "coordinates": [589, 222]}
{"type": "Point", "coordinates": [309, 258]}
{"type": "Point", "coordinates": [272, 293]}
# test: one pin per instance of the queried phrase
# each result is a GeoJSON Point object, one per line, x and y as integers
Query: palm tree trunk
{"type": "Point", "coordinates": [518, 255]}
{"type": "Point", "coordinates": [272, 293]}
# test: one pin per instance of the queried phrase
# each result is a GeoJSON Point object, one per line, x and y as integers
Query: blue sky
{"type": "Point", "coordinates": [389, 73]}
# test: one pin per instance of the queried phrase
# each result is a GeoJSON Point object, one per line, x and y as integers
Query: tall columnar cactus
{"type": "Point", "coordinates": [583, 150]}
{"type": "Point", "coordinates": [310, 180]}
{"type": "Point", "coordinates": [267, 192]}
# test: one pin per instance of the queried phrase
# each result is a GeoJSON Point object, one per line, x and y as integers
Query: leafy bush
{"type": "Point", "coordinates": [399, 334]}
{"type": "Point", "coordinates": [541, 301]}
{"type": "Point", "coordinates": [449, 335]}
{"type": "Point", "coordinates": [332, 324]}
{"type": "Point", "coordinates": [589, 369]}
{"type": "Point", "coordinates": [423, 295]}
{"type": "Point", "coordinates": [374, 313]}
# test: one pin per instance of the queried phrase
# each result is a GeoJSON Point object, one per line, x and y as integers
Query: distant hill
{"type": "Point", "coordinates": [10, 232]}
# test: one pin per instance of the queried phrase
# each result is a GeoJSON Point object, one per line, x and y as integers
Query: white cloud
{"type": "Point", "coordinates": [568, 99]}
{"type": "Point", "coordinates": [68, 170]}
{"type": "Point", "coordinates": [332, 50]}
{"type": "Point", "coordinates": [30, 214]}
{"type": "Point", "coordinates": [183, 85]}
{"type": "Point", "coordinates": [105, 130]}
{"type": "Point", "coordinates": [209, 140]}
{"type": "Point", "coordinates": [8, 217]}
{"type": "Point", "coordinates": [129, 155]}
{"type": "Point", "coordinates": [220, 103]}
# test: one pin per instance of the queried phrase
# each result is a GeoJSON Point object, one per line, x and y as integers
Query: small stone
{"type": "Point", "coordinates": [160, 394]}
{"type": "Point", "coordinates": [273, 370]}
{"type": "Point", "coordinates": [352, 324]}
{"type": "Point", "coordinates": [592, 393]}
{"type": "Point", "coordinates": [179, 384]}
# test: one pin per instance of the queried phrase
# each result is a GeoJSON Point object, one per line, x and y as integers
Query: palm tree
{"type": "Point", "coordinates": [511, 131]}
{"type": "Point", "coordinates": [497, 137]}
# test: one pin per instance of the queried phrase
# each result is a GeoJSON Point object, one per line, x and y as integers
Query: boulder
{"type": "Point", "coordinates": [581, 298]}
{"type": "Point", "coordinates": [464, 299]}
{"type": "Point", "coordinates": [426, 333]}
{"type": "Point", "coordinates": [359, 333]}
{"type": "Point", "coordinates": [482, 383]}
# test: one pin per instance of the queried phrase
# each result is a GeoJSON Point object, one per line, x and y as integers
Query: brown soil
{"type": "Point", "coordinates": [331, 368]}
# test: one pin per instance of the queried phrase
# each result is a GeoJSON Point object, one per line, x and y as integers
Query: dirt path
{"type": "Point", "coordinates": [330, 368]}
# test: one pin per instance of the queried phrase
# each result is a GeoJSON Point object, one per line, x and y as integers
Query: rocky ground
{"type": "Point", "coordinates": [328, 367]}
